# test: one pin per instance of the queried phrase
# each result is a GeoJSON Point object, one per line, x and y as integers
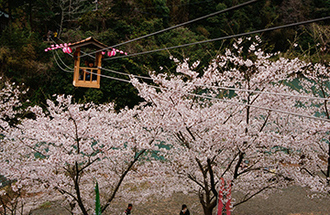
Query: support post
{"type": "Point", "coordinates": [224, 198]}
{"type": "Point", "coordinates": [76, 66]}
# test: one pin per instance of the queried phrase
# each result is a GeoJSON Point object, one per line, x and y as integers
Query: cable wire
{"type": "Point", "coordinates": [208, 97]}
{"type": "Point", "coordinates": [63, 61]}
{"type": "Point", "coordinates": [224, 37]}
{"type": "Point", "coordinates": [127, 74]}
{"type": "Point", "coordinates": [71, 71]}
{"type": "Point", "coordinates": [179, 25]}
{"type": "Point", "coordinates": [198, 85]}
{"type": "Point", "coordinates": [227, 88]}
{"type": "Point", "coordinates": [228, 101]}
{"type": "Point", "coordinates": [263, 108]}
{"type": "Point", "coordinates": [113, 78]}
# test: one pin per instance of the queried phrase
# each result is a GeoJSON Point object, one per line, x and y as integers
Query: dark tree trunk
{"type": "Point", "coordinates": [207, 209]}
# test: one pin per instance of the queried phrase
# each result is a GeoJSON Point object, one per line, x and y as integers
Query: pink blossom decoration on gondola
{"type": "Point", "coordinates": [112, 53]}
{"type": "Point", "coordinates": [67, 50]}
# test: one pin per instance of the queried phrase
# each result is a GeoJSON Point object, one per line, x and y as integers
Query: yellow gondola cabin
{"type": "Point", "coordinates": [87, 75]}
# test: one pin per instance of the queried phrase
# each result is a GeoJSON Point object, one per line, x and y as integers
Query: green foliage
{"type": "Point", "coordinates": [45, 205]}
{"type": "Point", "coordinates": [311, 44]}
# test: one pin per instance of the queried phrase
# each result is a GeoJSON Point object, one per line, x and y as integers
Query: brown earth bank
{"type": "Point", "coordinates": [291, 201]}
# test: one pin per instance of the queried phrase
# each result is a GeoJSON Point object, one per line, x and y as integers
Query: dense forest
{"type": "Point", "coordinates": [30, 26]}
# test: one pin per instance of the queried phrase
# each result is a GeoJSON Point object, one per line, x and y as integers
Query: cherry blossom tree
{"type": "Point", "coordinates": [9, 104]}
{"type": "Point", "coordinates": [9, 109]}
{"type": "Point", "coordinates": [258, 121]}
{"type": "Point", "coordinates": [314, 151]}
{"type": "Point", "coordinates": [240, 121]}
{"type": "Point", "coordinates": [69, 146]}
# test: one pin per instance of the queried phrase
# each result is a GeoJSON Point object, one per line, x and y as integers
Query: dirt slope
{"type": "Point", "coordinates": [293, 200]}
